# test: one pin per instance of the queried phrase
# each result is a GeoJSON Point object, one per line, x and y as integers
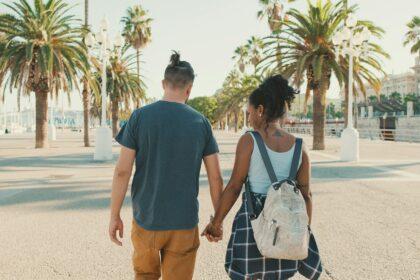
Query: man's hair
{"type": "Point", "coordinates": [179, 73]}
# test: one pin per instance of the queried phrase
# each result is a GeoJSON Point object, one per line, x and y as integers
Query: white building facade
{"type": "Point", "coordinates": [405, 83]}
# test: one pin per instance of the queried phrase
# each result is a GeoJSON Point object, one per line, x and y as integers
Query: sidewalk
{"type": "Point", "coordinates": [54, 212]}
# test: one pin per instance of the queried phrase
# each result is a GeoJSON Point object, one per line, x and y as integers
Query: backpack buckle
{"type": "Point", "coordinates": [276, 185]}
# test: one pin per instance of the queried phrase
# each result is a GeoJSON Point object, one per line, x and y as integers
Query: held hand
{"type": "Point", "coordinates": [214, 233]}
{"type": "Point", "coordinates": [116, 224]}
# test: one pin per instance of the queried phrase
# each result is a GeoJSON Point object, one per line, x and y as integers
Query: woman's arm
{"type": "Point", "coordinates": [304, 181]}
{"type": "Point", "coordinates": [233, 189]}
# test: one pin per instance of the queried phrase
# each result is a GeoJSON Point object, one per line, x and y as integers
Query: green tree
{"type": "Point", "coordinates": [235, 91]}
{"type": "Point", "coordinates": [412, 37]}
{"type": "Point", "coordinates": [255, 47]}
{"type": "Point", "coordinates": [123, 85]}
{"type": "Point", "coordinates": [241, 56]}
{"type": "Point", "coordinates": [207, 105]}
{"type": "Point", "coordinates": [137, 31]}
{"type": "Point", "coordinates": [396, 96]}
{"type": "Point", "coordinates": [373, 99]}
{"type": "Point", "coordinates": [306, 50]}
{"type": "Point", "coordinates": [43, 54]}
{"type": "Point", "coordinates": [274, 12]}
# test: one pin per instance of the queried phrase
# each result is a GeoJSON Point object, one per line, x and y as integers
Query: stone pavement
{"type": "Point", "coordinates": [54, 212]}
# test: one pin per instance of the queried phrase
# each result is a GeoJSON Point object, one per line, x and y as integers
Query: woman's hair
{"type": "Point", "coordinates": [179, 73]}
{"type": "Point", "coordinates": [274, 94]}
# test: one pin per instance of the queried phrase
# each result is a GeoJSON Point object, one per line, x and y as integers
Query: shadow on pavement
{"type": "Point", "coordinates": [58, 161]}
{"type": "Point", "coordinates": [59, 197]}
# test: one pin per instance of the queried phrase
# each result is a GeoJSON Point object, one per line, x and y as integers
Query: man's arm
{"type": "Point", "coordinates": [214, 176]}
{"type": "Point", "coordinates": [122, 174]}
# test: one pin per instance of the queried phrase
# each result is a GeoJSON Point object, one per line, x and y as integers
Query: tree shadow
{"type": "Point", "coordinates": [57, 161]}
{"type": "Point", "coordinates": [62, 197]}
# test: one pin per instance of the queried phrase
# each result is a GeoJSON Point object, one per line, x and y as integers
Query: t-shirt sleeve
{"type": "Point", "coordinates": [211, 144]}
{"type": "Point", "coordinates": [127, 135]}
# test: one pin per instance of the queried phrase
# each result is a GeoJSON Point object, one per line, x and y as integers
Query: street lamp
{"type": "Point", "coordinates": [352, 41]}
{"type": "Point", "coordinates": [103, 135]}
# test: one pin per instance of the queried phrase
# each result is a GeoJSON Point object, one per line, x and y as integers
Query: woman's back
{"type": "Point", "coordinates": [280, 152]}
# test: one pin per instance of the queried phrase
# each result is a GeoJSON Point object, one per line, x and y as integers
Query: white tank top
{"type": "Point", "coordinates": [257, 174]}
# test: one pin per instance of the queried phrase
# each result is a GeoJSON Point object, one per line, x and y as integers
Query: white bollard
{"type": "Point", "coordinates": [103, 144]}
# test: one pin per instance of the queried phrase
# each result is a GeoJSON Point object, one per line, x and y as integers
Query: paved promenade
{"type": "Point", "coordinates": [54, 212]}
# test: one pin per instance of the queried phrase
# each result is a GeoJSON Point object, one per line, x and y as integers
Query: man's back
{"type": "Point", "coordinates": [170, 140]}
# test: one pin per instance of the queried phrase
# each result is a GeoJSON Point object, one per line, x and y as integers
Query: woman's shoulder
{"type": "Point", "coordinates": [245, 143]}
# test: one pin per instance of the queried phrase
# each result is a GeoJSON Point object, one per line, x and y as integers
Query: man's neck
{"type": "Point", "coordinates": [171, 98]}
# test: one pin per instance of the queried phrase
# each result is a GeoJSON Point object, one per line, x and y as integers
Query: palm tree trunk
{"type": "Point", "coordinates": [85, 96]}
{"type": "Point", "coordinates": [114, 113]}
{"type": "Point", "coordinates": [85, 93]}
{"type": "Point", "coordinates": [86, 13]}
{"type": "Point", "coordinates": [236, 121]}
{"type": "Point", "coordinates": [319, 117]}
{"type": "Point", "coordinates": [41, 131]}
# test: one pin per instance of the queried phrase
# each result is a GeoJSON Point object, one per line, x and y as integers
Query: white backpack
{"type": "Point", "coordinates": [281, 229]}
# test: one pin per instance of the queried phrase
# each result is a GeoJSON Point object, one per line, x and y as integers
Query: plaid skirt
{"type": "Point", "coordinates": [244, 261]}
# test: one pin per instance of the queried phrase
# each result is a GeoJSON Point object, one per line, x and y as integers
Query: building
{"type": "Point", "coordinates": [404, 83]}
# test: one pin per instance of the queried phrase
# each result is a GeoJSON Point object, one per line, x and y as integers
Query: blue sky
{"type": "Point", "coordinates": [207, 32]}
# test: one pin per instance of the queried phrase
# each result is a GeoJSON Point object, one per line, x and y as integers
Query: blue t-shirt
{"type": "Point", "coordinates": [170, 140]}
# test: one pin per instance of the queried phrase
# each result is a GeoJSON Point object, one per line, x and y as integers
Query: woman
{"type": "Point", "coordinates": [268, 106]}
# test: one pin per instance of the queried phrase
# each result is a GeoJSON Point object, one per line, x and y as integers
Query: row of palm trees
{"type": "Point", "coordinates": [300, 48]}
{"type": "Point", "coordinates": [42, 50]}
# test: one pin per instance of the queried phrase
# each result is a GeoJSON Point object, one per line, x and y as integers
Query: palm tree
{"type": "Point", "coordinates": [230, 98]}
{"type": "Point", "coordinates": [43, 54]}
{"type": "Point", "coordinates": [413, 34]}
{"type": "Point", "coordinates": [307, 52]}
{"type": "Point", "coordinates": [123, 85]}
{"type": "Point", "coordinates": [85, 92]}
{"type": "Point", "coordinates": [255, 47]}
{"type": "Point", "coordinates": [241, 55]}
{"type": "Point", "coordinates": [274, 11]}
{"type": "Point", "coordinates": [137, 30]}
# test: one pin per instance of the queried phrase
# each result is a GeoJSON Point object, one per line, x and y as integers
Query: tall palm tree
{"type": "Point", "coordinates": [137, 30]}
{"type": "Point", "coordinates": [123, 85]}
{"type": "Point", "coordinates": [241, 56]}
{"type": "Point", "coordinates": [43, 54]}
{"type": "Point", "coordinates": [255, 47]}
{"type": "Point", "coordinates": [307, 52]}
{"type": "Point", "coordinates": [85, 91]}
{"type": "Point", "coordinates": [274, 12]}
{"type": "Point", "coordinates": [413, 34]}
{"type": "Point", "coordinates": [235, 89]}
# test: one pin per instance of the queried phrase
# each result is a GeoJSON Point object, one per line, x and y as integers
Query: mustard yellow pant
{"type": "Point", "coordinates": [170, 254]}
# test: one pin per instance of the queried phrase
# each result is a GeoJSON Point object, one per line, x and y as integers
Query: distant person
{"type": "Point", "coordinates": [168, 140]}
{"type": "Point", "coordinates": [268, 106]}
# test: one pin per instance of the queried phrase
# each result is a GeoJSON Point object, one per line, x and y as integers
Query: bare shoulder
{"type": "Point", "coordinates": [305, 151]}
{"type": "Point", "coordinates": [245, 143]}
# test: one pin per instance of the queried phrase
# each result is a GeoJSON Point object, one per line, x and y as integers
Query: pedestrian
{"type": "Point", "coordinates": [168, 140]}
{"type": "Point", "coordinates": [268, 159]}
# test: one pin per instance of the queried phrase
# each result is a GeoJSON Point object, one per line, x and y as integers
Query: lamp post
{"type": "Point", "coordinates": [103, 135]}
{"type": "Point", "coordinates": [352, 41]}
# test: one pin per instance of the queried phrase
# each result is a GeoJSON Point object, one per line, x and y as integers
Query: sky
{"type": "Point", "coordinates": [207, 32]}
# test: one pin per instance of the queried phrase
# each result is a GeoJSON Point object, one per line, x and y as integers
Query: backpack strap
{"type": "Point", "coordinates": [265, 157]}
{"type": "Point", "coordinates": [296, 158]}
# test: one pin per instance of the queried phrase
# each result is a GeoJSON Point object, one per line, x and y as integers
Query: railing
{"type": "Point", "coordinates": [402, 135]}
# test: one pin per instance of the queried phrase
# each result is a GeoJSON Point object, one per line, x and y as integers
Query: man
{"type": "Point", "coordinates": [168, 140]}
